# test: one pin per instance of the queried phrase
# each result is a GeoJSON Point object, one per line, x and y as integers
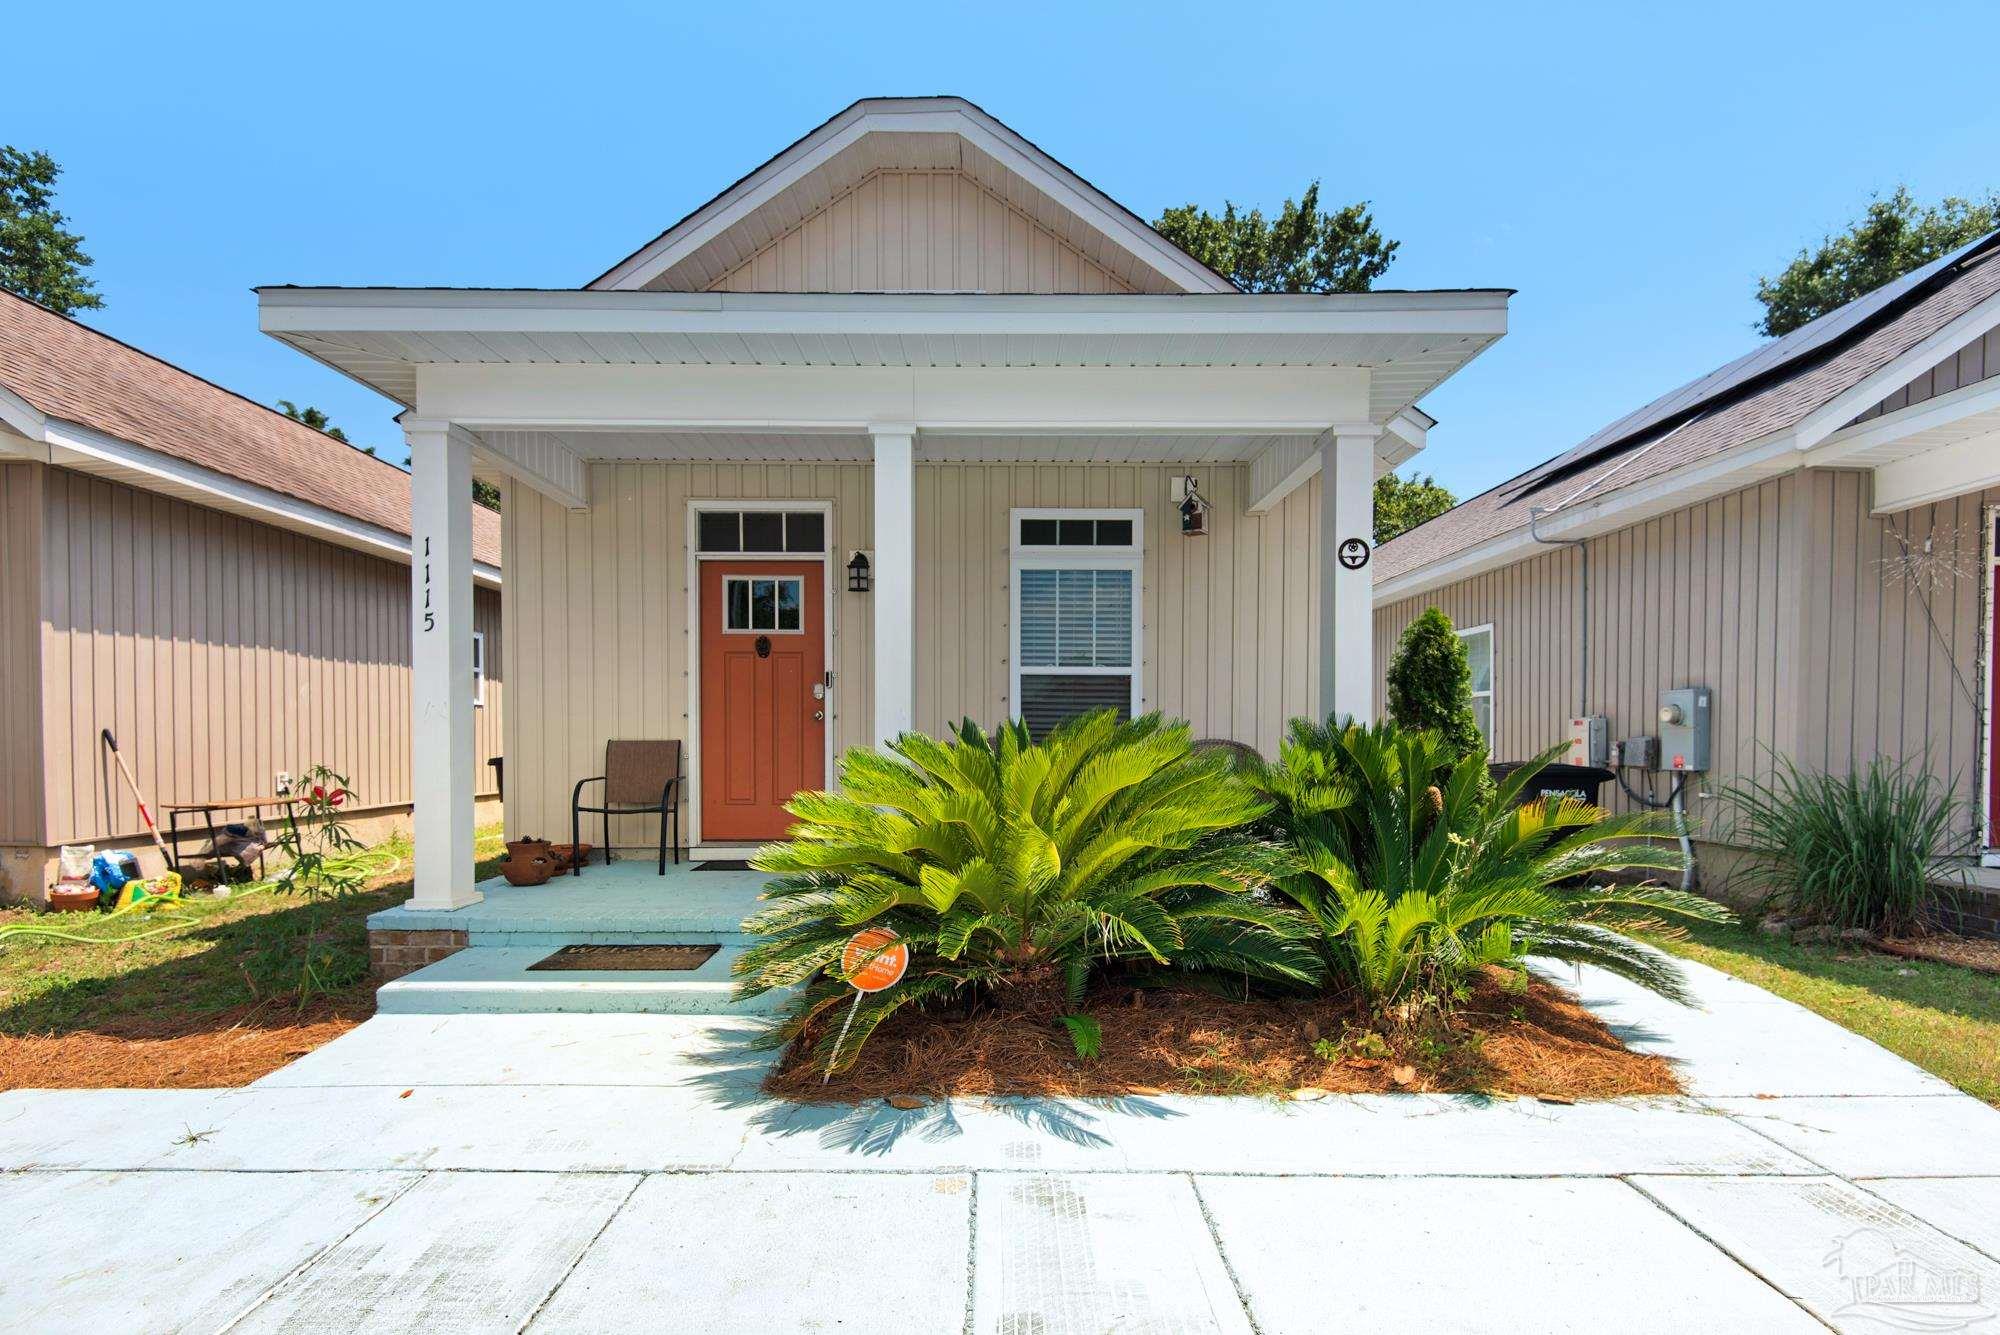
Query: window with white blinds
{"type": "Point", "coordinates": [1076, 614]}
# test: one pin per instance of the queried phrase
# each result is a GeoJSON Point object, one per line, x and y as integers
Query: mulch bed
{"type": "Point", "coordinates": [178, 1052]}
{"type": "Point", "coordinates": [1968, 952]}
{"type": "Point", "coordinates": [1538, 1041]}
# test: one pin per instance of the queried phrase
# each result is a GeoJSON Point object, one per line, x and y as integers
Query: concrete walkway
{"type": "Point", "coordinates": [620, 1172]}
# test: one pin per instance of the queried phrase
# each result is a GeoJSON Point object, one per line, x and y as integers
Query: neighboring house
{"type": "Point", "coordinates": [914, 337]}
{"type": "Point", "coordinates": [222, 587]}
{"type": "Point", "coordinates": [1808, 532]}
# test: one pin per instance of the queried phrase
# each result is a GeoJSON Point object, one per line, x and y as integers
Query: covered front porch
{"type": "Point", "coordinates": [1141, 502]}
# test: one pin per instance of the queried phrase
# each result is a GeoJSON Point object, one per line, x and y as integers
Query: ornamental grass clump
{"type": "Point", "coordinates": [1861, 850]}
{"type": "Point", "coordinates": [1017, 871]}
{"type": "Point", "coordinates": [1416, 871]}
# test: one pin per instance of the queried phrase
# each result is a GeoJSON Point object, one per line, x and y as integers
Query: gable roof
{"type": "Point", "coordinates": [1770, 390]}
{"type": "Point", "coordinates": [932, 133]}
{"type": "Point", "coordinates": [68, 371]}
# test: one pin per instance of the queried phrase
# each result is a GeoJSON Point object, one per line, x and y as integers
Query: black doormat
{"type": "Point", "coordinates": [723, 864]}
{"type": "Point", "coordinates": [652, 959]}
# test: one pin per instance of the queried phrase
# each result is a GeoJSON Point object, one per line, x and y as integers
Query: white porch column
{"type": "Point", "coordinates": [895, 581]}
{"type": "Point", "coordinates": [1347, 589]}
{"type": "Point", "coordinates": [441, 739]}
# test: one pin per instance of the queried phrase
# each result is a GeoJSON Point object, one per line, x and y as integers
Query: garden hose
{"type": "Point", "coordinates": [366, 865]}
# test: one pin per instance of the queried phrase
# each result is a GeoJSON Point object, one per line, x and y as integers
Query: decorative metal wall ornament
{"type": "Point", "coordinates": [859, 578]}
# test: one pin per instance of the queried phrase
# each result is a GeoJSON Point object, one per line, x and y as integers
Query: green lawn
{"type": "Point", "coordinates": [1943, 1018]}
{"type": "Point", "coordinates": [238, 950]}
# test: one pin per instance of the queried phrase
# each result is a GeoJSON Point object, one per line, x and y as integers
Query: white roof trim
{"type": "Point", "coordinates": [283, 310]}
{"type": "Point", "coordinates": [1841, 409]}
{"type": "Point", "coordinates": [74, 445]}
{"type": "Point", "coordinates": [945, 115]}
{"type": "Point", "coordinates": [1723, 473]}
{"type": "Point", "coordinates": [21, 415]}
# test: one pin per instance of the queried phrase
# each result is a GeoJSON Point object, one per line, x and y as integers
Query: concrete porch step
{"type": "Point", "coordinates": [485, 979]}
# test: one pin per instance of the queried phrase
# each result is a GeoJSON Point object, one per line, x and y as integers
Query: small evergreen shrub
{"type": "Point", "coordinates": [1430, 685]}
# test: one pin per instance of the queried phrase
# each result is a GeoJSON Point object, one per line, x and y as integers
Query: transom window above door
{"type": "Point", "coordinates": [759, 531]}
{"type": "Point", "coordinates": [754, 602]}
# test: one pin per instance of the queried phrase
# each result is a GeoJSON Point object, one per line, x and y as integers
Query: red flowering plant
{"type": "Point", "coordinates": [319, 865]}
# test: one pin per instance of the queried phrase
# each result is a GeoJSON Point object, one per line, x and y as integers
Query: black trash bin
{"type": "Point", "coordinates": [1582, 782]}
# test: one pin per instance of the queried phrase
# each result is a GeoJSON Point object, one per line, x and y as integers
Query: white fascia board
{"type": "Point", "coordinates": [22, 416]}
{"type": "Point", "coordinates": [944, 116]}
{"type": "Point", "coordinates": [1938, 474]}
{"type": "Point", "coordinates": [977, 400]}
{"type": "Point", "coordinates": [1891, 429]}
{"type": "Point", "coordinates": [1283, 467]}
{"type": "Point", "coordinates": [420, 311]}
{"type": "Point", "coordinates": [71, 443]}
{"type": "Point", "coordinates": [1747, 464]}
{"type": "Point", "coordinates": [1837, 412]}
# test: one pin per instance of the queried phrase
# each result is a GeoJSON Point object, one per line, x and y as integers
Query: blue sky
{"type": "Point", "coordinates": [1631, 169]}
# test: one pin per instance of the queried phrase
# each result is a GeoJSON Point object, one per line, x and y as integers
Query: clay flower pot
{"type": "Point", "coordinates": [529, 862]}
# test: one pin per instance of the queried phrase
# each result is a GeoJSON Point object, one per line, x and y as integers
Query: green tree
{"type": "Point", "coordinates": [1303, 250]}
{"type": "Point", "coordinates": [1893, 237]}
{"type": "Point", "coordinates": [39, 258]}
{"type": "Point", "coordinates": [1402, 503]}
{"type": "Point", "coordinates": [486, 494]}
{"type": "Point", "coordinates": [315, 419]}
{"type": "Point", "coordinates": [1430, 685]}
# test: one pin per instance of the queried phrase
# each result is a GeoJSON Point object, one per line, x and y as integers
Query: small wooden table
{"type": "Point", "coordinates": [206, 812]}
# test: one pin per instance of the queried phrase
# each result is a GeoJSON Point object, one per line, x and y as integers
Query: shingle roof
{"type": "Point", "coordinates": [1770, 389]}
{"type": "Point", "coordinates": [69, 371]}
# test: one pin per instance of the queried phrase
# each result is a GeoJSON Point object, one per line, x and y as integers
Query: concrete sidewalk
{"type": "Point", "coordinates": [611, 1172]}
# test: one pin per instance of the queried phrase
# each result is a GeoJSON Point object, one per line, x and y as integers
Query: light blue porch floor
{"type": "Point", "coordinates": [624, 901]}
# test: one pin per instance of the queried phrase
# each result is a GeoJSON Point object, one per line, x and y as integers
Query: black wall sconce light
{"type": "Point", "coordinates": [858, 575]}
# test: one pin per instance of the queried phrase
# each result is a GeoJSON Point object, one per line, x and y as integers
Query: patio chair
{"type": "Point", "coordinates": [640, 779]}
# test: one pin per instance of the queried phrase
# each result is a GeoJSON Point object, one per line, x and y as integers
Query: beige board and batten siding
{"type": "Point", "coordinates": [598, 614]}
{"type": "Point", "coordinates": [20, 661]}
{"type": "Point", "coordinates": [1786, 598]}
{"type": "Point", "coordinates": [919, 231]}
{"type": "Point", "coordinates": [219, 651]}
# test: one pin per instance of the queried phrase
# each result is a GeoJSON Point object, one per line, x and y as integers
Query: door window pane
{"type": "Point", "coordinates": [737, 592]}
{"type": "Point", "coordinates": [763, 604]}
{"type": "Point", "coordinates": [763, 533]}
{"type": "Point", "coordinates": [788, 604]}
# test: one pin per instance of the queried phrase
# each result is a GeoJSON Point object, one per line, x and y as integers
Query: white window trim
{"type": "Point", "coordinates": [799, 629]}
{"type": "Point", "coordinates": [1492, 681]}
{"type": "Point", "coordinates": [479, 669]}
{"type": "Point", "coordinates": [1022, 557]}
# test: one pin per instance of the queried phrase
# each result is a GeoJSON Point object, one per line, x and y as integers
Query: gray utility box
{"type": "Point", "coordinates": [1684, 730]}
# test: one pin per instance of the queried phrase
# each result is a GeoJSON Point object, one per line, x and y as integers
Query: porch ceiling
{"type": "Point", "coordinates": [1409, 341]}
{"type": "Point", "coordinates": [830, 447]}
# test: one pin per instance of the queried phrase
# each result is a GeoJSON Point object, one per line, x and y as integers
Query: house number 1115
{"type": "Point", "coordinates": [430, 617]}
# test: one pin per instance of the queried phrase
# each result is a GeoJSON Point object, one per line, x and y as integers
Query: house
{"type": "Point", "coordinates": [896, 430]}
{"type": "Point", "coordinates": [223, 588]}
{"type": "Point", "coordinates": [1807, 532]}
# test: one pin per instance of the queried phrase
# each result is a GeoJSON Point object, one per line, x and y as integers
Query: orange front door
{"type": "Point", "coordinates": [763, 727]}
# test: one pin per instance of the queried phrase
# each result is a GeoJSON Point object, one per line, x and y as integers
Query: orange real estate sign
{"type": "Point", "coordinates": [874, 960]}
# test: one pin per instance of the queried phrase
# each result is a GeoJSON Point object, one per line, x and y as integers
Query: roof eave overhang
{"type": "Point", "coordinates": [73, 445]}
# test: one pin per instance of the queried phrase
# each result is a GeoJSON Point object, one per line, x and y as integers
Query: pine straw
{"type": "Point", "coordinates": [210, 1051]}
{"type": "Point", "coordinates": [1188, 1042]}
{"type": "Point", "coordinates": [1970, 952]}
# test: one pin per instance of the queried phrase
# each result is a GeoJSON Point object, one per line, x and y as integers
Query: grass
{"type": "Point", "coordinates": [235, 954]}
{"type": "Point", "coordinates": [1941, 1017]}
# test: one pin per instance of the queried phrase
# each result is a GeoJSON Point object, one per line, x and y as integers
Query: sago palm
{"type": "Point", "coordinates": [1014, 869]}
{"type": "Point", "coordinates": [1417, 870]}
